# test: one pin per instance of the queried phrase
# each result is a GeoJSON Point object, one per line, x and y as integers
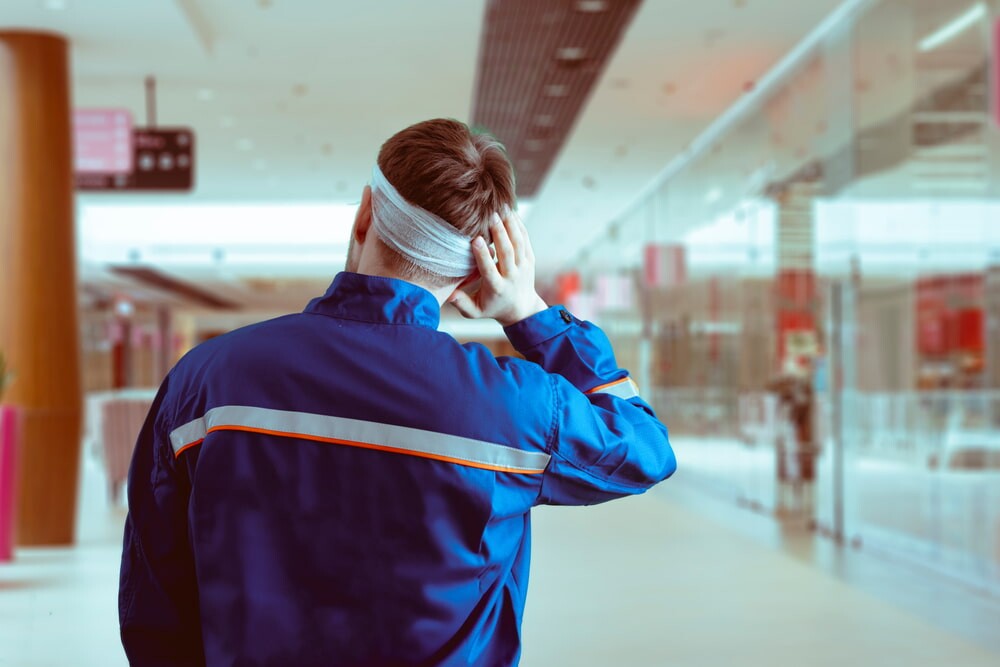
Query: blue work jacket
{"type": "Point", "coordinates": [350, 486]}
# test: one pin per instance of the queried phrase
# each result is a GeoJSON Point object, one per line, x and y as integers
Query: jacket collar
{"type": "Point", "coordinates": [356, 296]}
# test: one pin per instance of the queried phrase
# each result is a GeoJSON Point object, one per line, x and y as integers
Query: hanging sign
{"type": "Point", "coordinates": [162, 161]}
{"type": "Point", "coordinates": [102, 141]}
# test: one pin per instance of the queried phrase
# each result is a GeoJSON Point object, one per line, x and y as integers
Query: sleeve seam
{"type": "Point", "coordinates": [624, 485]}
{"type": "Point", "coordinates": [552, 435]}
{"type": "Point", "coordinates": [130, 591]}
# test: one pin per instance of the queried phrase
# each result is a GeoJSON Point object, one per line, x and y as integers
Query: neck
{"type": "Point", "coordinates": [371, 264]}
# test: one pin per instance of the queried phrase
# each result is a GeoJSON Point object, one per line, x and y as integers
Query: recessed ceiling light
{"type": "Point", "coordinates": [55, 5]}
{"type": "Point", "coordinates": [571, 53]}
{"type": "Point", "coordinates": [206, 94]}
{"type": "Point", "coordinates": [713, 195]}
{"type": "Point", "coordinates": [245, 144]}
{"type": "Point", "coordinates": [260, 164]}
{"type": "Point", "coordinates": [591, 6]}
{"type": "Point", "coordinates": [556, 90]}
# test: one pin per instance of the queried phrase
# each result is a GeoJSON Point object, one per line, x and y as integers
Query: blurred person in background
{"type": "Point", "coordinates": [795, 449]}
{"type": "Point", "coordinates": [350, 486]}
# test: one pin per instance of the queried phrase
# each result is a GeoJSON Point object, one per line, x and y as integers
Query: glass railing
{"type": "Point", "coordinates": [921, 469]}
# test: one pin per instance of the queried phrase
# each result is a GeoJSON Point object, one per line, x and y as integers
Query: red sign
{"type": "Point", "coordinates": [795, 296]}
{"type": "Point", "coordinates": [949, 314]}
{"type": "Point", "coordinates": [970, 330]}
{"type": "Point", "coordinates": [102, 141]}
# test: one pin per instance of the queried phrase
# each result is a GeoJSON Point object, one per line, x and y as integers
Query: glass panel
{"type": "Point", "coordinates": [813, 300]}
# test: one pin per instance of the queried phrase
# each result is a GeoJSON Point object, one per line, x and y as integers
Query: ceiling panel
{"type": "Point", "coordinates": [538, 63]}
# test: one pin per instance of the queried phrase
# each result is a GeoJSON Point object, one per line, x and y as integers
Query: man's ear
{"type": "Point", "coordinates": [468, 281]}
{"type": "Point", "coordinates": [474, 276]}
{"type": "Point", "coordinates": [363, 218]}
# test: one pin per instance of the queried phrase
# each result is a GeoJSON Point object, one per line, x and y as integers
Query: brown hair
{"type": "Point", "coordinates": [459, 175]}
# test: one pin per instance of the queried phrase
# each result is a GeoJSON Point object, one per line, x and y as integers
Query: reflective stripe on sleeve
{"type": "Point", "coordinates": [359, 433]}
{"type": "Point", "coordinates": [623, 388]}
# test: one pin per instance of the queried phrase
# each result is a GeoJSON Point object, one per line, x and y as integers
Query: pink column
{"type": "Point", "coordinates": [8, 479]}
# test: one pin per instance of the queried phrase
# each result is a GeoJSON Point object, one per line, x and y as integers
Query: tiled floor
{"type": "Point", "coordinates": [653, 580]}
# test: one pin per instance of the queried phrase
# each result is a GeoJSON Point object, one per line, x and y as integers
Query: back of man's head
{"type": "Point", "coordinates": [458, 175]}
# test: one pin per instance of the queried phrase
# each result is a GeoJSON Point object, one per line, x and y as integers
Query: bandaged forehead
{"type": "Point", "coordinates": [417, 234]}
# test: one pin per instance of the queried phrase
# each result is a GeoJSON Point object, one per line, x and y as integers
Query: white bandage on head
{"type": "Point", "coordinates": [417, 234]}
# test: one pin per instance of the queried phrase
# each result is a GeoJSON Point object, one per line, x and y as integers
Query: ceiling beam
{"type": "Point", "coordinates": [198, 24]}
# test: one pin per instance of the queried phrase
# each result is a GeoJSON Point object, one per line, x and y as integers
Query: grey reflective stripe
{"type": "Point", "coordinates": [624, 388]}
{"type": "Point", "coordinates": [359, 433]}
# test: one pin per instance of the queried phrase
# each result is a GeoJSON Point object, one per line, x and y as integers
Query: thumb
{"type": "Point", "coordinates": [465, 305]}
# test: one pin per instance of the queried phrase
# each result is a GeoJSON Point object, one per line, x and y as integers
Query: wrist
{"type": "Point", "coordinates": [537, 306]}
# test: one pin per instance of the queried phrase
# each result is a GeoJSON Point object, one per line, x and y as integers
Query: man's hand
{"type": "Point", "coordinates": [507, 291]}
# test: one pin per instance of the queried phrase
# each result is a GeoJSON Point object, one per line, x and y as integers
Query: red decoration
{"type": "Point", "coordinates": [949, 315]}
{"type": "Point", "coordinates": [567, 286]}
{"type": "Point", "coordinates": [795, 292]}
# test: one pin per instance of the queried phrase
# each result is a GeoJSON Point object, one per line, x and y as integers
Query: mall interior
{"type": "Point", "coordinates": [785, 214]}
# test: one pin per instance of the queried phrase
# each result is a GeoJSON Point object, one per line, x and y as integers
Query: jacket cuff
{"type": "Point", "coordinates": [540, 327]}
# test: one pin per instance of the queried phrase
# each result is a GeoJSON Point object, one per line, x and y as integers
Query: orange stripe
{"type": "Point", "coordinates": [605, 386]}
{"type": "Point", "coordinates": [187, 446]}
{"type": "Point", "coordinates": [362, 445]}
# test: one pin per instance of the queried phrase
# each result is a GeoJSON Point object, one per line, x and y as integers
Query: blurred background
{"type": "Point", "coordinates": [784, 213]}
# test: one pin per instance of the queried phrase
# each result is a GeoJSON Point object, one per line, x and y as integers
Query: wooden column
{"type": "Point", "coordinates": [38, 308]}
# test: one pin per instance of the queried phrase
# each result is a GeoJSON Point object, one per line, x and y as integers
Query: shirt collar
{"type": "Point", "coordinates": [356, 296]}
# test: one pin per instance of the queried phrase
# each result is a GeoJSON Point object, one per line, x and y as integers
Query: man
{"type": "Point", "coordinates": [349, 486]}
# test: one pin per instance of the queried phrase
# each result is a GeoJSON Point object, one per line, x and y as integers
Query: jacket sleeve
{"type": "Point", "coordinates": [158, 594]}
{"type": "Point", "coordinates": [605, 441]}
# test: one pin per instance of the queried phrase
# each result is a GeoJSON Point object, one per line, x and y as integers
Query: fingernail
{"type": "Point", "coordinates": [496, 219]}
{"type": "Point", "coordinates": [479, 242]}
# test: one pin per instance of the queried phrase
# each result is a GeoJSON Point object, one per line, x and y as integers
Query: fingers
{"type": "Point", "coordinates": [529, 252]}
{"type": "Point", "coordinates": [465, 305]}
{"type": "Point", "coordinates": [514, 231]}
{"type": "Point", "coordinates": [506, 258]}
{"type": "Point", "coordinates": [484, 261]}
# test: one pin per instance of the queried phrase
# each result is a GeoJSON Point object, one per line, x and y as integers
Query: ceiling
{"type": "Point", "coordinates": [291, 99]}
{"type": "Point", "coordinates": [538, 63]}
